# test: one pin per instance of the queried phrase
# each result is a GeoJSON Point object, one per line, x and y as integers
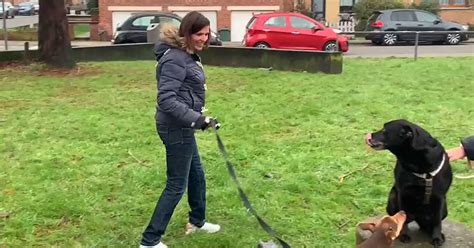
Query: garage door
{"type": "Point", "coordinates": [239, 20]}
{"type": "Point", "coordinates": [118, 17]}
{"type": "Point", "coordinates": [211, 15]}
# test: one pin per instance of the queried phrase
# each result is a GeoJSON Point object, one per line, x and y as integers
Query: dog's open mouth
{"type": "Point", "coordinates": [375, 144]}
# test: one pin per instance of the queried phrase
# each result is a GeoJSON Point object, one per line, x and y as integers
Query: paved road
{"type": "Point", "coordinates": [426, 50]}
{"type": "Point", "coordinates": [355, 49]}
{"type": "Point", "coordinates": [19, 21]}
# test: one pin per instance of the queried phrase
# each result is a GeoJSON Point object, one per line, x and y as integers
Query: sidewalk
{"type": "Point", "coordinates": [20, 45]}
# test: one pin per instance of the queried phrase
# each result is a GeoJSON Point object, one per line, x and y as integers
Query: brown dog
{"type": "Point", "coordinates": [384, 231]}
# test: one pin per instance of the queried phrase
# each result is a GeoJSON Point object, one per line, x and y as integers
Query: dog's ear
{"type": "Point", "coordinates": [406, 132]}
{"type": "Point", "coordinates": [367, 226]}
{"type": "Point", "coordinates": [420, 139]}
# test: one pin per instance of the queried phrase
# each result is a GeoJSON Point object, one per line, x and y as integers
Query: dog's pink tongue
{"type": "Point", "coordinates": [368, 137]}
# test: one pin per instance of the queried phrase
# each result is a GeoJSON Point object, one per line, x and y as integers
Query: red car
{"type": "Point", "coordinates": [292, 31]}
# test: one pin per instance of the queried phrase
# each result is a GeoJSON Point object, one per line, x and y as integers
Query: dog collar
{"type": "Point", "coordinates": [429, 180]}
{"type": "Point", "coordinates": [433, 173]}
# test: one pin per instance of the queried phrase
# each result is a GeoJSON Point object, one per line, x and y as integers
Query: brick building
{"type": "Point", "coordinates": [234, 14]}
{"type": "Point", "coordinates": [67, 2]}
{"type": "Point", "coordinates": [461, 11]}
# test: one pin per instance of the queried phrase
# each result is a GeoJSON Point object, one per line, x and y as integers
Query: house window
{"type": "Point", "coordinates": [318, 7]}
{"type": "Point", "coordinates": [443, 2]}
{"type": "Point", "coordinates": [347, 6]}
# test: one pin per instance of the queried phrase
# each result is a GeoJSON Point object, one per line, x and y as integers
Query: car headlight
{"type": "Point", "coordinates": [465, 27]}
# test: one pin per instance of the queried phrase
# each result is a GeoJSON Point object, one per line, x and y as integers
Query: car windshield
{"type": "Point", "coordinates": [24, 5]}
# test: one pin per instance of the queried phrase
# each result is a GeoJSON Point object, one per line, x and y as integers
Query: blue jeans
{"type": "Point", "coordinates": [184, 169]}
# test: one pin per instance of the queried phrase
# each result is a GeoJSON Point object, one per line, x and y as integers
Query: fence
{"type": "Point", "coordinates": [343, 26]}
{"type": "Point", "coordinates": [417, 35]}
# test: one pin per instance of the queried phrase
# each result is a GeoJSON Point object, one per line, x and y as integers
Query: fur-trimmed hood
{"type": "Point", "coordinates": [169, 38]}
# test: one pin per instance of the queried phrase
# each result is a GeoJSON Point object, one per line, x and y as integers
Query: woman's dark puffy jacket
{"type": "Point", "coordinates": [181, 85]}
{"type": "Point", "coordinates": [468, 144]}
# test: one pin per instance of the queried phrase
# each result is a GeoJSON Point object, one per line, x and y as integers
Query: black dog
{"type": "Point", "coordinates": [422, 176]}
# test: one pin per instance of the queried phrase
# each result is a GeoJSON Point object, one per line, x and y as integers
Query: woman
{"type": "Point", "coordinates": [465, 150]}
{"type": "Point", "coordinates": [180, 102]}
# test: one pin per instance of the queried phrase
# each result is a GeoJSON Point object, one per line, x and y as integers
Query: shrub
{"type": "Point", "coordinates": [93, 7]}
{"type": "Point", "coordinates": [429, 6]}
{"type": "Point", "coordinates": [364, 9]}
{"type": "Point", "coordinates": [301, 8]}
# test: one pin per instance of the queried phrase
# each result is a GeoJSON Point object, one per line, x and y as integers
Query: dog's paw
{"type": "Point", "coordinates": [404, 238]}
{"type": "Point", "coordinates": [438, 241]}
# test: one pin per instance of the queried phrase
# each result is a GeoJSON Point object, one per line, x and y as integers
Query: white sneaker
{"type": "Point", "coordinates": [207, 227]}
{"type": "Point", "coordinates": [159, 245]}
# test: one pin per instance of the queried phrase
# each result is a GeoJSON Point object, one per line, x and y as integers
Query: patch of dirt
{"type": "Point", "coordinates": [39, 69]}
{"type": "Point", "coordinates": [11, 64]}
{"type": "Point", "coordinates": [78, 71]}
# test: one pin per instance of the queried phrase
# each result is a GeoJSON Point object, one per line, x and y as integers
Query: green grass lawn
{"type": "Point", "coordinates": [81, 165]}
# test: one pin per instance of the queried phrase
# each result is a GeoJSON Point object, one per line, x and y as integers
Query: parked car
{"type": "Point", "coordinates": [134, 29]}
{"type": "Point", "coordinates": [9, 10]}
{"type": "Point", "coordinates": [292, 31]}
{"type": "Point", "coordinates": [26, 9]}
{"type": "Point", "coordinates": [36, 6]}
{"type": "Point", "coordinates": [412, 20]}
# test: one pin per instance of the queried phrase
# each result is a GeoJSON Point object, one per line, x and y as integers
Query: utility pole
{"type": "Point", "coordinates": [5, 33]}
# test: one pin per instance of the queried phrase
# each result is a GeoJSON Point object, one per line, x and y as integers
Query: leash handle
{"type": "Point", "coordinates": [242, 194]}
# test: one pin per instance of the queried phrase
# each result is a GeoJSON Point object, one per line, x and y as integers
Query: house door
{"type": "Point", "coordinates": [318, 7]}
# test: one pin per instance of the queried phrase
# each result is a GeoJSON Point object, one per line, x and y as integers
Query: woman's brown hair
{"type": "Point", "coordinates": [192, 23]}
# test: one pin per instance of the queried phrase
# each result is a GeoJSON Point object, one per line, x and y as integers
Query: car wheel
{"type": "Point", "coordinates": [389, 39]}
{"type": "Point", "coordinates": [453, 39]}
{"type": "Point", "coordinates": [262, 45]}
{"type": "Point", "coordinates": [330, 46]}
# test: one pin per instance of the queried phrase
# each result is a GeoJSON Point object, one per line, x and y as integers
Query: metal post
{"type": "Point", "coordinates": [416, 45]}
{"type": "Point", "coordinates": [5, 33]}
{"type": "Point", "coordinates": [26, 51]}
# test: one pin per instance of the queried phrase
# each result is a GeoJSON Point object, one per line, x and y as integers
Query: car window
{"type": "Point", "coordinates": [298, 22]}
{"type": "Point", "coordinates": [168, 20]}
{"type": "Point", "coordinates": [374, 17]}
{"type": "Point", "coordinates": [276, 21]}
{"type": "Point", "coordinates": [425, 17]}
{"type": "Point", "coordinates": [143, 22]}
{"type": "Point", "coordinates": [403, 16]}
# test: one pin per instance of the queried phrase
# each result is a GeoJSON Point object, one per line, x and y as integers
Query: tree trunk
{"type": "Point", "coordinates": [53, 34]}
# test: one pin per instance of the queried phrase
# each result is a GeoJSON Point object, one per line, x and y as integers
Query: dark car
{"type": "Point", "coordinates": [134, 29]}
{"type": "Point", "coordinates": [412, 20]}
{"type": "Point", "coordinates": [26, 9]}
